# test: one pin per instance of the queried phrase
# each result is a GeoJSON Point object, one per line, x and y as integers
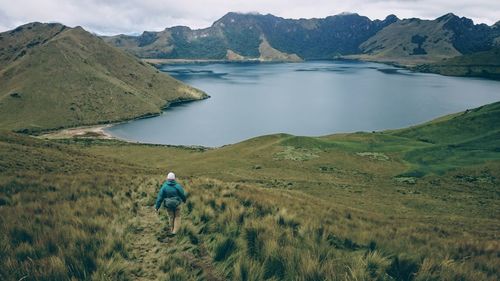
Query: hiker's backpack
{"type": "Point", "coordinates": [173, 202]}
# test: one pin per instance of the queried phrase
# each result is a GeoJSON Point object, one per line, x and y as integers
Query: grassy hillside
{"type": "Point", "coordinates": [466, 138]}
{"type": "Point", "coordinates": [52, 76]}
{"type": "Point", "coordinates": [268, 53]}
{"type": "Point", "coordinates": [481, 64]}
{"type": "Point", "coordinates": [413, 204]}
{"type": "Point", "coordinates": [60, 211]}
{"type": "Point", "coordinates": [410, 41]}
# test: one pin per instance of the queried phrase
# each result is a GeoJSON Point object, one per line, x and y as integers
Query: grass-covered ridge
{"type": "Point", "coordinates": [410, 42]}
{"type": "Point", "coordinates": [459, 139]}
{"type": "Point", "coordinates": [413, 204]}
{"type": "Point", "coordinates": [481, 64]}
{"type": "Point", "coordinates": [52, 76]}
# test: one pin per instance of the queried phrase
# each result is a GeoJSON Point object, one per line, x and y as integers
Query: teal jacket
{"type": "Point", "coordinates": [171, 190]}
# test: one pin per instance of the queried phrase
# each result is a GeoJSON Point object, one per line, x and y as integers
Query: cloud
{"type": "Point", "coordinates": [135, 16]}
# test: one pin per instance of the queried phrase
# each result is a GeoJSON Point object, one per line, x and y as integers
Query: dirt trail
{"type": "Point", "coordinates": [150, 246]}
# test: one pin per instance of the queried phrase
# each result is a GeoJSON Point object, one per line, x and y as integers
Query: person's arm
{"type": "Point", "coordinates": [182, 193]}
{"type": "Point", "coordinates": [159, 199]}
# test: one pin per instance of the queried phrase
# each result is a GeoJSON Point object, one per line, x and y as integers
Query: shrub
{"type": "Point", "coordinates": [224, 249]}
{"type": "Point", "coordinates": [24, 251]}
{"type": "Point", "coordinates": [274, 266]}
{"type": "Point", "coordinates": [4, 201]}
{"type": "Point", "coordinates": [20, 235]}
{"type": "Point", "coordinates": [376, 265]}
{"type": "Point", "coordinates": [403, 268]}
{"type": "Point", "coordinates": [254, 242]}
{"type": "Point", "coordinates": [189, 230]}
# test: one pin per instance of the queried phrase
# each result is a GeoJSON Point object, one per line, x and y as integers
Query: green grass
{"type": "Point", "coordinates": [276, 207]}
{"type": "Point", "coordinates": [458, 140]}
{"type": "Point", "coordinates": [481, 64]}
{"type": "Point", "coordinates": [410, 42]}
{"type": "Point", "coordinates": [72, 78]}
{"type": "Point", "coordinates": [59, 211]}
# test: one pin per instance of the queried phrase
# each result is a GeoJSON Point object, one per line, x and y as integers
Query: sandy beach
{"type": "Point", "coordinates": [95, 132]}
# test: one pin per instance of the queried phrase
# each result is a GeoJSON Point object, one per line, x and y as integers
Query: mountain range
{"type": "Point", "coordinates": [239, 36]}
{"type": "Point", "coordinates": [53, 76]}
{"type": "Point", "coordinates": [246, 35]}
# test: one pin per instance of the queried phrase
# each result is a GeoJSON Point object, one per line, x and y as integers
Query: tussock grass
{"type": "Point", "coordinates": [81, 209]}
{"type": "Point", "coordinates": [59, 221]}
{"type": "Point", "coordinates": [274, 243]}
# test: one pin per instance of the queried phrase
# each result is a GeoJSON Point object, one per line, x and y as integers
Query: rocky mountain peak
{"type": "Point", "coordinates": [447, 17]}
{"type": "Point", "coordinates": [391, 18]}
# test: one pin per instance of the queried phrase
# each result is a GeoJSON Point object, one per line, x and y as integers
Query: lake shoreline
{"type": "Point", "coordinates": [114, 130]}
{"type": "Point", "coordinates": [91, 132]}
{"type": "Point", "coordinates": [275, 89]}
{"type": "Point", "coordinates": [160, 62]}
{"type": "Point", "coordinates": [417, 67]}
{"type": "Point", "coordinates": [99, 131]}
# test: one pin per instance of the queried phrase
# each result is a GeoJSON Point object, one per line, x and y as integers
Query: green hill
{"type": "Point", "coordinates": [481, 64]}
{"type": "Point", "coordinates": [412, 204]}
{"type": "Point", "coordinates": [52, 76]}
{"type": "Point", "coordinates": [415, 41]}
{"type": "Point", "coordinates": [410, 41]}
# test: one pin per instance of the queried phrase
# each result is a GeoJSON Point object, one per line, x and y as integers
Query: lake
{"type": "Point", "coordinates": [310, 99]}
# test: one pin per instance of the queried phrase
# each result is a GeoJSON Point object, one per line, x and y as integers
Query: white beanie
{"type": "Point", "coordinates": [171, 176]}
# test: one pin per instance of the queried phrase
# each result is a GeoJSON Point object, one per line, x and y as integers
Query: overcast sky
{"type": "Point", "coordinates": [135, 16]}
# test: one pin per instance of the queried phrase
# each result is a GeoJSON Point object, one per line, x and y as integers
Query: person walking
{"type": "Point", "coordinates": [171, 194]}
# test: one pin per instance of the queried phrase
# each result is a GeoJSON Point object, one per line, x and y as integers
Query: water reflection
{"type": "Point", "coordinates": [311, 98]}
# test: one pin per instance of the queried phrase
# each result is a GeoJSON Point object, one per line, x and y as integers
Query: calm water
{"type": "Point", "coordinates": [311, 99]}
